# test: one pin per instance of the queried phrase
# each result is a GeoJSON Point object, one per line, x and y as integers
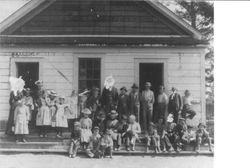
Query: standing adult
{"type": "Point", "coordinates": [123, 105]}
{"type": "Point", "coordinates": [134, 102]}
{"type": "Point", "coordinates": [109, 98]}
{"type": "Point", "coordinates": [13, 101]}
{"type": "Point", "coordinates": [147, 102]}
{"type": "Point", "coordinates": [162, 104]}
{"type": "Point", "coordinates": [93, 102]}
{"type": "Point", "coordinates": [175, 104]}
{"type": "Point", "coordinates": [40, 93]}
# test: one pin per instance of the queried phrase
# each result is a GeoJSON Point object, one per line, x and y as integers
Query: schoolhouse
{"type": "Point", "coordinates": [75, 44]}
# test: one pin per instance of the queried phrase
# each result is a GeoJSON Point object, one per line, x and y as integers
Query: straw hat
{"type": "Point", "coordinates": [201, 125]}
{"type": "Point", "coordinates": [113, 113]}
{"type": "Point", "coordinates": [39, 83]}
{"type": "Point", "coordinates": [52, 93]}
{"type": "Point", "coordinates": [86, 111]}
{"type": "Point", "coordinates": [170, 118]}
{"type": "Point", "coordinates": [124, 88]}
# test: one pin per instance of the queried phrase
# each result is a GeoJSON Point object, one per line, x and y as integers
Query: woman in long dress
{"type": "Point", "coordinates": [13, 101]}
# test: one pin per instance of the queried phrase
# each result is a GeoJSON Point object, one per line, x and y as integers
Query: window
{"type": "Point", "coordinates": [89, 73]}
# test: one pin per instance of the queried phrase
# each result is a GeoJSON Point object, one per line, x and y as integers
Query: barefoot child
{"type": "Point", "coordinates": [86, 126]}
{"type": "Point", "coordinates": [21, 119]}
{"type": "Point", "coordinates": [75, 143]}
{"type": "Point", "coordinates": [94, 144]}
{"type": "Point", "coordinates": [106, 144]}
{"type": "Point", "coordinates": [112, 125]}
{"type": "Point", "coordinates": [202, 136]}
{"type": "Point", "coordinates": [133, 130]}
{"type": "Point", "coordinates": [152, 136]}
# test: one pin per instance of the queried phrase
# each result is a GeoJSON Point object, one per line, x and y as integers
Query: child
{"type": "Point", "coordinates": [171, 127]}
{"type": "Point", "coordinates": [180, 128]}
{"type": "Point", "coordinates": [43, 118]}
{"type": "Point", "coordinates": [162, 104]}
{"type": "Point", "coordinates": [122, 128]}
{"type": "Point", "coordinates": [188, 101]}
{"type": "Point", "coordinates": [162, 131]}
{"type": "Point", "coordinates": [28, 101]}
{"type": "Point", "coordinates": [95, 143]}
{"type": "Point", "coordinates": [202, 136]}
{"type": "Point", "coordinates": [60, 117]}
{"type": "Point", "coordinates": [123, 105]}
{"type": "Point", "coordinates": [133, 130]}
{"type": "Point", "coordinates": [75, 143]}
{"type": "Point", "coordinates": [112, 125]}
{"type": "Point", "coordinates": [101, 122]}
{"type": "Point", "coordinates": [153, 137]}
{"type": "Point", "coordinates": [189, 137]}
{"type": "Point", "coordinates": [86, 126]}
{"type": "Point", "coordinates": [134, 102]}
{"type": "Point", "coordinates": [21, 118]}
{"type": "Point", "coordinates": [106, 144]}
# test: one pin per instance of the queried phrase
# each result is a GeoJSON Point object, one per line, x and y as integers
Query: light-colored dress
{"type": "Point", "coordinates": [60, 116]}
{"type": "Point", "coordinates": [21, 117]}
{"type": "Point", "coordinates": [135, 128]}
{"type": "Point", "coordinates": [43, 116]}
{"type": "Point", "coordinates": [86, 126]}
{"type": "Point", "coordinates": [30, 104]}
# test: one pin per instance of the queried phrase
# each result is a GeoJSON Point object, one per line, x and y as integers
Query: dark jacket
{"type": "Point", "coordinates": [175, 103]}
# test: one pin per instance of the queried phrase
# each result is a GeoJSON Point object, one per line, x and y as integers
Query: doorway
{"type": "Point", "coordinates": [153, 73]}
{"type": "Point", "coordinates": [29, 72]}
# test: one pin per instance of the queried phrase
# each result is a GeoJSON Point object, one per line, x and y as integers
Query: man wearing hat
{"type": "Point", "coordinates": [175, 104]}
{"type": "Point", "coordinates": [93, 102]}
{"type": "Point", "coordinates": [134, 102]}
{"type": "Point", "coordinates": [147, 101]}
{"type": "Point", "coordinates": [123, 105]}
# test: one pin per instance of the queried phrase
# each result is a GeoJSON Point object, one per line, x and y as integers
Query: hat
{"type": "Point", "coordinates": [96, 128]}
{"type": "Point", "coordinates": [170, 118]}
{"type": "Point", "coordinates": [85, 91]}
{"type": "Point", "coordinates": [148, 84]}
{"type": "Point", "coordinates": [135, 86]}
{"type": "Point", "coordinates": [174, 88]}
{"type": "Point", "coordinates": [39, 83]}
{"type": "Point", "coordinates": [52, 93]}
{"type": "Point", "coordinates": [182, 119]}
{"type": "Point", "coordinates": [86, 111]}
{"type": "Point", "coordinates": [202, 124]}
{"type": "Point", "coordinates": [61, 97]}
{"type": "Point", "coordinates": [113, 112]}
{"type": "Point", "coordinates": [124, 117]}
{"type": "Point", "coordinates": [187, 92]}
{"type": "Point", "coordinates": [101, 115]}
{"type": "Point", "coordinates": [108, 131]}
{"type": "Point", "coordinates": [124, 88]}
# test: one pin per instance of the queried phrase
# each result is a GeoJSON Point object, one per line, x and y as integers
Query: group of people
{"type": "Point", "coordinates": [100, 123]}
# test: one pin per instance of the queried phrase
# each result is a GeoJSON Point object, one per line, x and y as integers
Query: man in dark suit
{"type": "Point", "coordinates": [109, 99]}
{"type": "Point", "coordinates": [175, 104]}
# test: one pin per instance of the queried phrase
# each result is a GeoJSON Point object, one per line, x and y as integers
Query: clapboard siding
{"type": "Point", "coordinates": [183, 71]}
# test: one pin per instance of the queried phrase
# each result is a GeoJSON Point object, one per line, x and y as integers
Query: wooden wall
{"type": "Point", "coordinates": [184, 69]}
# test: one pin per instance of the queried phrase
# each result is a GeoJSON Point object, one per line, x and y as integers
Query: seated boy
{"type": "Point", "coordinates": [202, 136]}
{"type": "Point", "coordinates": [122, 129]}
{"type": "Point", "coordinates": [133, 130]}
{"type": "Point", "coordinates": [189, 137]}
{"type": "Point", "coordinates": [106, 144]}
{"type": "Point", "coordinates": [75, 143]}
{"type": "Point", "coordinates": [94, 144]}
{"type": "Point", "coordinates": [112, 125]}
{"type": "Point", "coordinates": [100, 122]}
{"type": "Point", "coordinates": [152, 136]}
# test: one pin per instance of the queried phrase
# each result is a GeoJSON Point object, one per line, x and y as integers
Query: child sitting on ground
{"type": "Point", "coordinates": [75, 143]}
{"type": "Point", "coordinates": [162, 131]}
{"type": "Point", "coordinates": [86, 126]}
{"type": "Point", "coordinates": [189, 137]}
{"type": "Point", "coordinates": [106, 144]}
{"type": "Point", "coordinates": [202, 136]}
{"type": "Point", "coordinates": [94, 144]}
{"type": "Point", "coordinates": [21, 119]}
{"type": "Point", "coordinates": [153, 137]}
{"type": "Point", "coordinates": [133, 130]}
{"type": "Point", "coordinates": [122, 128]}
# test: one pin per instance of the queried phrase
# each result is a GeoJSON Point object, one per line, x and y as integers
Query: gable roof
{"type": "Point", "coordinates": [34, 7]}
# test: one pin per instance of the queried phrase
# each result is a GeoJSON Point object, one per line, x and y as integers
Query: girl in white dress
{"type": "Point", "coordinates": [86, 126]}
{"type": "Point", "coordinates": [60, 117]}
{"type": "Point", "coordinates": [43, 118]}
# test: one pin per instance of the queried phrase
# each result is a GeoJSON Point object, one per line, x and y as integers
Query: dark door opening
{"type": "Point", "coordinates": [29, 72]}
{"type": "Point", "coordinates": [153, 73]}
{"type": "Point", "coordinates": [89, 73]}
